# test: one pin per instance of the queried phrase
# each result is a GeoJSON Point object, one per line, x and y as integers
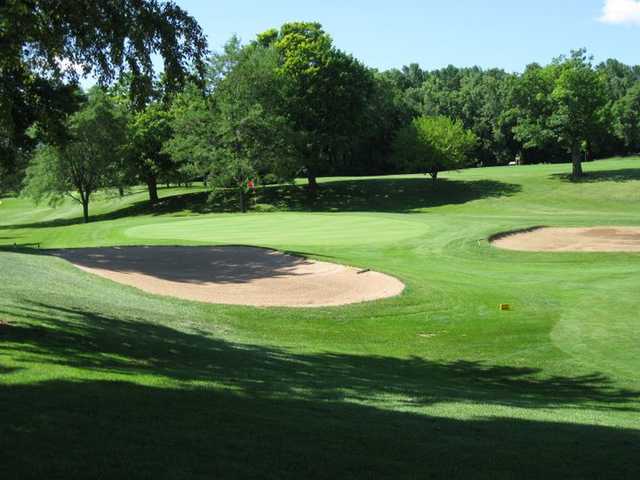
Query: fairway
{"type": "Point", "coordinates": [436, 381]}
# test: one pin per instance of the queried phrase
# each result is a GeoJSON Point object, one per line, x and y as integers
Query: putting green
{"type": "Point", "coordinates": [291, 229]}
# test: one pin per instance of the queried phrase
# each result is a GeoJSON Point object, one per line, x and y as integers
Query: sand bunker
{"type": "Point", "coordinates": [234, 275]}
{"type": "Point", "coordinates": [553, 239]}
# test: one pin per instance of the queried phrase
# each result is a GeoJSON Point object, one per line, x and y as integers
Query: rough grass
{"type": "Point", "coordinates": [98, 380]}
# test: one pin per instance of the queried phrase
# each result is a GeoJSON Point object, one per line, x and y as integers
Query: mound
{"type": "Point", "coordinates": [592, 239]}
{"type": "Point", "coordinates": [234, 275]}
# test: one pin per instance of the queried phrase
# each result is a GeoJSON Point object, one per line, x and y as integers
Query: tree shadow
{"type": "Point", "coordinates": [79, 338]}
{"type": "Point", "coordinates": [252, 411]}
{"type": "Point", "coordinates": [113, 430]}
{"type": "Point", "coordinates": [193, 265]}
{"type": "Point", "coordinates": [392, 195]}
{"type": "Point", "coordinates": [166, 205]}
{"type": "Point", "coordinates": [622, 175]}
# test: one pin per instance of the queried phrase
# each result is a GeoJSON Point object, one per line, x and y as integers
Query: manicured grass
{"type": "Point", "coordinates": [98, 380]}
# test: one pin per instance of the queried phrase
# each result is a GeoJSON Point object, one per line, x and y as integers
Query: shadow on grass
{"type": "Point", "coordinates": [393, 195]}
{"type": "Point", "coordinates": [257, 411]}
{"type": "Point", "coordinates": [113, 430]}
{"type": "Point", "coordinates": [83, 339]}
{"type": "Point", "coordinates": [622, 175]}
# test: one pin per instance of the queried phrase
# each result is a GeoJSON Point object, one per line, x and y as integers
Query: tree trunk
{"type": "Point", "coordinates": [152, 185]}
{"type": "Point", "coordinates": [434, 176]}
{"type": "Point", "coordinates": [85, 209]}
{"type": "Point", "coordinates": [312, 183]}
{"type": "Point", "coordinates": [121, 191]}
{"type": "Point", "coordinates": [576, 160]}
{"type": "Point", "coordinates": [243, 200]}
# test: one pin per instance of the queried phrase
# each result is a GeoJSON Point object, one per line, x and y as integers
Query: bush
{"type": "Point", "coordinates": [433, 144]}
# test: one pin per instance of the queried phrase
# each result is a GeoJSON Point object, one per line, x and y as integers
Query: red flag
{"type": "Point", "coordinates": [250, 184]}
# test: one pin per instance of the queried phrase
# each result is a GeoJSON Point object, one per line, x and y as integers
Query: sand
{"type": "Point", "coordinates": [234, 275]}
{"type": "Point", "coordinates": [554, 239]}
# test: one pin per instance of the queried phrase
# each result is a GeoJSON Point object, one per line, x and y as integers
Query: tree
{"type": "Point", "coordinates": [47, 43]}
{"type": "Point", "coordinates": [236, 136]}
{"type": "Point", "coordinates": [433, 144]}
{"type": "Point", "coordinates": [326, 93]}
{"type": "Point", "coordinates": [579, 97]}
{"type": "Point", "coordinates": [148, 130]}
{"type": "Point", "coordinates": [81, 164]}
{"type": "Point", "coordinates": [563, 103]}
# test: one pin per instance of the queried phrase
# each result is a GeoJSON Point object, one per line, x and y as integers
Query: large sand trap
{"type": "Point", "coordinates": [553, 239]}
{"type": "Point", "coordinates": [234, 275]}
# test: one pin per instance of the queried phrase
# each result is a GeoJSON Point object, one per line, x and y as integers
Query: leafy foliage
{"type": "Point", "coordinates": [563, 103]}
{"type": "Point", "coordinates": [84, 162]}
{"type": "Point", "coordinates": [626, 113]}
{"type": "Point", "coordinates": [236, 136]}
{"type": "Point", "coordinates": [326, 93]}
{"type": "Point", "coordinates": [48, 44]}
{"type": "Point", "coordinates": [147, 162]}
{"type": "Point", "coordinates": [433, 144]}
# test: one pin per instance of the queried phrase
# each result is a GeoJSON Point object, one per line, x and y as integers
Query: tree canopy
{"type": "Point", "coordinates": [236, 136]}
{"type": "Point", "coordinates": [326, 93]}
{"type": "Point", "coordinates": [48, 44]}
{"type": "Point", "coordinates": [289, 103]}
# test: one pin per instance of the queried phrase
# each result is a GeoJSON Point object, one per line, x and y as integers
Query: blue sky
{"type": "Point", "coordinates": [491, 33]}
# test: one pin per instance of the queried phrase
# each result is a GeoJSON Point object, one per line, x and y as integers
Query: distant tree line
{"type": "Point", "coordinates": [285, 105]}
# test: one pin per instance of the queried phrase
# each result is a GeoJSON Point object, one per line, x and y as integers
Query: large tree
{"type": "Point", "coordinates": [579, 101]}
{"type": "Point", "coordinates": [83, 162]}
{"type": "Point", "coordinates": [146, 161]}
{"type": "Point", "coordinates": [563, 103]}
{"type": "Point", "coordinates": [327, 92]}
{"type": "Point", "coordinates": [49, 42]}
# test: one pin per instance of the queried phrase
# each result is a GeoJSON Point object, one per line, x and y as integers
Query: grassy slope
{"type": "Point", "coordinates": [97, 379]}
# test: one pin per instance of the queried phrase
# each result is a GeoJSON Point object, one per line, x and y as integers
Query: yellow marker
{"type": "Point", "coordinates": [505, 306]}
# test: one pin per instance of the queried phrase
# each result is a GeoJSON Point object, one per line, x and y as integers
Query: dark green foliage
{"type": "Point", "coordinates": [326, 93]}
{"type": "Point", "coordinates": [476, 97]}
{"type": "Point", "coordinates": [626, 115]}
{"type": "Point", "coordinates": [44, 42]}
{"type": "Point", "coordinates": [149, 129]}
{"type": "Point", "coordinates": [236, 136]}
{"type": "Point", "coordinates": [561, 104]}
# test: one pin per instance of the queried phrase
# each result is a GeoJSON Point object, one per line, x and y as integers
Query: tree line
{"type": "Point", "coordinates": [287, 104]}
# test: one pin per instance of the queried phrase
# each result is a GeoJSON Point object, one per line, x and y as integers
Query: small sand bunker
{"type": "Point", "coordinates": [554, 239]}
{"type": "Point", "coordinates": [234, 275]}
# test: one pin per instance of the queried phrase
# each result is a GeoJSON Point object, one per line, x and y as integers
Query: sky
{"type": "Point", "coordinates": [508, 34]}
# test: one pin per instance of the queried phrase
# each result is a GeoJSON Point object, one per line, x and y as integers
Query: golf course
{"type": "Point", "coordinates": [103, 380]}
